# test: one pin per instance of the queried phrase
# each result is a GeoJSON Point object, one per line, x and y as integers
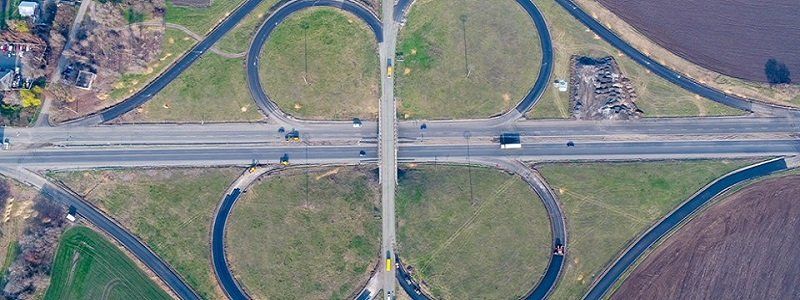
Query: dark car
{"type": "Point", "coordinates": [570, 144]}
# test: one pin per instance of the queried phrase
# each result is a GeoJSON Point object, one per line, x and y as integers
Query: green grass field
{"type": "Point", "coordinates": [238, 39]}
{"type": "Point", "coordinates": [502, 59]}
{"type": "Point", "coordinates": [87, 266]}
{"type": "Point", "coordinates": [342, 75]}
{"type": "Point", "coordinates": [493, 247]}
{"type": "Point", "coordinates": [200, 20]}
{"type": "Point", "coordinates": [608, 205]}
{"type": "Point", "coordinates": [656, 96]}
{"type": "Point", "coordinates": [213, 89]}
{"type": "Point", "coordinates": [175, 44]}
{"type": "Point", "coordinates": [170, 210]}
{"type": "Point", "coordinates": [283, 244]}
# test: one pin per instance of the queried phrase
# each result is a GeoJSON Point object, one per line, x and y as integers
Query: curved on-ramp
{"type": "Point", "coordinates": [265, 104]}
{"type": "Point", "coordinates": [105, 223]}
{"type": "Point", "coordinates": [160, 82]}
{"type": "Point", "coordinates": [670, 75]}
{"type": "Point", "coordinates": [548, 281]}
{"type": "Point", "coordinates": [607, 280]}
{"type": "Point", "coordinates": [271, 109]}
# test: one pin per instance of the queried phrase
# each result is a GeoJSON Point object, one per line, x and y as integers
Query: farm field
{"type": "Point", "coordinates": [87, 266]}
{"type": "Point", "coordinates": [738, 248]}
{"type": "Point", "coordinates": [732, 37]}
{"type": "Point", "coordinates": [656, 96]}
{"type": "Point", "coordinates": [171, 210]}
{"type": "Point", "coordinates": [465, 59]}
{"type": "Point", "coordinates": [493, 243]}
{"type": "Point", "coordinates": [322, 63]}
{"type": "Point", "coordinates": [306, 234]}
{"type": "Point", "coordinates": [608, 205]}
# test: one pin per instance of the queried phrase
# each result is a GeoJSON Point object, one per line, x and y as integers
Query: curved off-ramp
{"type": "Point", "coordinates": [685, 210]}
{"type": "Point", "coordinates": [676, 78]}
{"type": "Point", "coordinates": [271, 109]}
{"type": "Point", "coordinates": [265, 104]}
{"type": "Point", "coordinates": [548, 281]}
{"type": "Point", "coordinates": [108, 225]}
{"type": "Point", "coordinates": [160, 82]}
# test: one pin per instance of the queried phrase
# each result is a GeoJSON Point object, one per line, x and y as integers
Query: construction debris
{"type": "Point", "coordinates": [600, 91]}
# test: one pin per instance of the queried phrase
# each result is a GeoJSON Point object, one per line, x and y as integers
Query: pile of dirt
{"type": "Point", "coordinates": [600, 90]}
{"type": "Point", "coordinates": [732, 37]}
{"type": "Point", "coordinates": [743, 248]}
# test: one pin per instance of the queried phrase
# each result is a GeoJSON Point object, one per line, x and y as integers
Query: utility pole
{"type": "Point", "coordinates": [467, 135]}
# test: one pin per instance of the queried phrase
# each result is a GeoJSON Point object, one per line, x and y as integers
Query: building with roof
{"type": "Point", "coordinates": [27, 8]}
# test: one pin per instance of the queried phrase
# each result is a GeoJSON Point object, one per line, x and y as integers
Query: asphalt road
{"type": "Point", "coordinates": [93, 215]}
{"type": "Point", "coordinates": [173, 72]}
{"type": "Point", "coordinates": [672, 76]}
{"type": "Point", "coordinates": [96, 157]}
{"type": "Point", "coordinates": [261, 133]}
{"type": "Point", "coordinates": [254, 53]}
{"type": "Point", "coordinates": [218, 258]}
{"type": "Point", "coordinates": [671, 221]}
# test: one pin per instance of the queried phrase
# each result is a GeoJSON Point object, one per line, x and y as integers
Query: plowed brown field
{"type": "Point", "coordinates": [732, 37]}
{"type": "Point", "coordinates": [746, 247]}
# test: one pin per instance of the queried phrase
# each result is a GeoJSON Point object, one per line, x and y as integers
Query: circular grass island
{"type": "Point", "coordinates": [322, 64]}
{"type": "Point", "coordinates": [491, 241]}
{"type": "Point", "coordinates": [465, 59]}
{"type": "Point", "coordinates": [285, 244]}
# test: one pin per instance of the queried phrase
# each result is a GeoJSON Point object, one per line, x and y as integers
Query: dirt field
{"type": "Point", "coordinates": [732, 37]}
{"type": "Point", "coordinates": [738, 249]}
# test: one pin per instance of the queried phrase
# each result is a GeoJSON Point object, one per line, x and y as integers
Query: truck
{"type": "Point", "coordinates": [388, 261]}
{"type": "Point", "coordinates": [510, 140]}
{"type": "Point", "coordinates": [293, 136]}
{"type": "Point", "coordinates": [389, 68]}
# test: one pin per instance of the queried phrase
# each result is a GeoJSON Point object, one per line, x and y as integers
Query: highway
{"type": "Point", "coordinates": [80, 144]}
{"type": "Point", "coordinates": [387, 147]}
{"type": "Point", "coordinates": [106, 224]}
{"type": "Point", "coordinates": [676, 217]}
{"type": "Point", "coordinates": [103, 157]}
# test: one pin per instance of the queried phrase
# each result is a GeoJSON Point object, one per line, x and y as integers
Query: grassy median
{"type": "Point", "coordinates": [465, 59]}
{"type": "Point", "coordinates": [298, 235]}
{"type": "Point", "coordinates": [322, 63]}
{"type": "Point", "coordinates": [213, 89]}
{"type": "Point", "coordinates": [171, 210]}
{"type": "Point", "coordinates": [656, 96]}
{"type": "Point", "coordinates": [238, 39]}
{"type": "Point", "coordinates": [608, 205]}
{"type": "Point", "coordinates": [487, 241]}
{"type": "Point", "coordinates": [87, 266]}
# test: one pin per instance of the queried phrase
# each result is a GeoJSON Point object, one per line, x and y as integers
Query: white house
{"type": "Point", "coordinates": [27, 8]}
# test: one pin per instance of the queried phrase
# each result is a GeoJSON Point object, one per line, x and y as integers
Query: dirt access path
{"type": "Point", "coordinates": [743, 248]}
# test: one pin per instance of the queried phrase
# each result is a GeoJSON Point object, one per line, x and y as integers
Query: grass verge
{"type": "Point", "coordinates": [238, 39]}
{"type": "Point", "coordinates": [493, 245]}
{"type": "Point", "coordinates": [656, 96]}
{"type": "Point", "coordinates": [170, 210]}
{"type": "Point", "coordinates": [175, 44]}
{"type": "Point", "coordinates": [286, 244]}
{"type": "Point", "coordinates": [608, 205]}
{"type": "Point", "coordinates": [322, 64]}
{"type": "Point", "coordinates": [213, 89]}
{"type": "Point", "coordinates": [465, 59]}
{"type": "Point", "coordinates": [87, 266]}
{"type": "Point", "coordinates": [200, 20]}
